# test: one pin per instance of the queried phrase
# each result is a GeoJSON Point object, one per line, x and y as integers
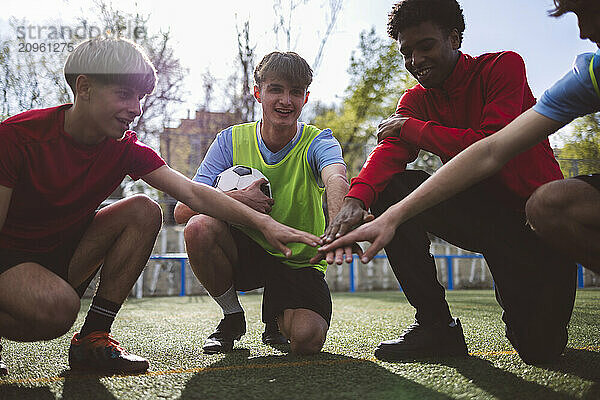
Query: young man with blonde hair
{"type": "Point", "coordinates": [57, 165]}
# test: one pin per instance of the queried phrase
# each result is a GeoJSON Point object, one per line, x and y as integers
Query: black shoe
{"type": "Point", "coordinates": [272, 335]}
{"type": "Point", "coordinates": [231, 328]}
{"type": "Point", "coordinates": [3, 368]}
{"type": "Point", "coordinates": [425, 341]}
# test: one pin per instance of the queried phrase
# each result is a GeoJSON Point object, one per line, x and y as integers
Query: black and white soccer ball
{"type": "Point", "coordinates": [240, 177]}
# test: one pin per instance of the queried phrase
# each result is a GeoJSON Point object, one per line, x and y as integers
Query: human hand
{"type": "Point", "coordinates": [350, 215]}
{"type": "Point", "coordinates": [339, 255]}
{"type": "Point", "coordinates": [378, 232]}
{"type": "Point", "coordinates": [390, 126]}
{"type": "Point", "coordinates": [253, 197]}
{"type": "Point", "coordinates": [279, 235]}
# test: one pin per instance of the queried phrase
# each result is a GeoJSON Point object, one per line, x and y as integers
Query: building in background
{"type": "Point", "coordinates": [184, 147]}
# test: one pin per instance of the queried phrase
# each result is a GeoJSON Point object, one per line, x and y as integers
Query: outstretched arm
{"type": "Point", "coordinates": [252, 196]}
{"type": "Point", "coordinates": [472, 165]}
{"type": "Point", "coordinates": [207, 200]}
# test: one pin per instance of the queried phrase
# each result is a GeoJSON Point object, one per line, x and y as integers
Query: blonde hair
{"type": "Point", "coordinates": [111, 61]}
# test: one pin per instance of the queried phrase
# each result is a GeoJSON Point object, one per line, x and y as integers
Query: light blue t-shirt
{"type": "Point", "coordinates": [323, 151]}
{"type": "Point", "coordinates": [574, 94]}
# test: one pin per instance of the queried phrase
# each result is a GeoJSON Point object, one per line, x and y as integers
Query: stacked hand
{"type": "Point", "coordinates": [351, 215]}
{"type": "Point", "coordinates": [378, 232]}
{"type": "Point", "coordinates": [279, 235]}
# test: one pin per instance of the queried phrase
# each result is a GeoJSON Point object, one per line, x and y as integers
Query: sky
{"type": "Point", "coordinates": [204, 34]}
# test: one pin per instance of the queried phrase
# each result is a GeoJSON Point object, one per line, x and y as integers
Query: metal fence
{"type": "Point", "coordinates": [170, 275]}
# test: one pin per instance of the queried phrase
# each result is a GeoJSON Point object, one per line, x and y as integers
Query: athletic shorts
{"type": "Point", "coordinates": [284, 287]}
{"type": "Point", "coordinates": [56, 260]}
{"type": "Point", "coordinates": [592, 179]}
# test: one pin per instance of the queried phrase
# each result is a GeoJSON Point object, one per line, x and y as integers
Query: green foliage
{"type": "Point", "coordinates": [377, 80]}
{"type": "Point", "coordinates": [581, 152]}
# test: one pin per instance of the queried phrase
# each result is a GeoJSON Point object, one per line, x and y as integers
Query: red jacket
{"type": "Point", "coordinates": [480, 97]}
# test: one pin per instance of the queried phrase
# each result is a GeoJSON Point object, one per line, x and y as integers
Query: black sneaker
{"type": "Point", "coordinates": [231, 328]}
{"type": "Point", "coordinates": [272, 335]}
{"type": "Point", "coordinates": [425, 341]}
{"type": "Point", "coordinates": [3, 368]}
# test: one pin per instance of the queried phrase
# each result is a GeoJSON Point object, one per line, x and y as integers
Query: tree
{"type": "Point", "coordinates": [208, 86]}
{"type": "Point", "coordinates": [246, 58]}
{"type": "Point", "coordinates": [284, 24]}
{"type": "Point", "coordinates": [35, 79]}
{"type": "Point", "coordinates": [238, 87]}
{"type": "Point", "coordinates": [377, 80]}
{"type": "Point", "coordinates": [581, 152]}
{"type": "Point", "coordinates": [28, 79]}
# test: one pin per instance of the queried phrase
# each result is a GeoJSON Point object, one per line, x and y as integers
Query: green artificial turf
{"type": "Point", "coordinates": [170, 332]}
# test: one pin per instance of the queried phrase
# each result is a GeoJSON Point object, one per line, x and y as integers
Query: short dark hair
{"type": "Point", "coordinates": [562, 7]}
{"type": "Point", "coordinates": [446, 14]}
{"type": "Point", "coordinates": [288, 66]}
{"type": "Point", "coordinates": [110, 60]}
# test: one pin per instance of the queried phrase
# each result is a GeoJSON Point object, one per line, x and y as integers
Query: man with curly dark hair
{"type": "Point", "coordinates": [460, 100]}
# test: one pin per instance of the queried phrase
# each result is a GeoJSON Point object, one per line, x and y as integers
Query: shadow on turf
{"type": "Point", "coordinates": [504, 384]}
{"type": "Point", "coordinates": [10, 392]}
{"type": "Point", "coordinates": [324, 375]}
{"type": "Point", "coordinates": [76, 387]}
{"type": "Point", "coordinates": [79, 386]}
{"type": "Point", "coordinates": [578, 362]}
{"type": "Point", "coordinates": [584, 364]}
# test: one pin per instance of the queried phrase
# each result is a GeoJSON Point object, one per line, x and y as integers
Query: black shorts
{"type": "Point", "coordinates": [56, 260]}
{"type": "Point", "coordinates": [592, 179]}
{"type": "Point", "coordinates": [284, 287]}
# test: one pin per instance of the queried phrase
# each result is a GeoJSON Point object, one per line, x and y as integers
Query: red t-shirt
{"type": "Point", "coordinates": [58, 183]}
{"type": "Point", "coordinates": [481, 96]}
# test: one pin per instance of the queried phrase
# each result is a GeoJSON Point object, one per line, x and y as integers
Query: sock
{"type": "Point", "coordinates": [229, 302]}
{"type": "Point", "coordinates": [100, 316]}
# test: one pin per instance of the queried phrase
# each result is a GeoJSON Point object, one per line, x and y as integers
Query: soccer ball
{"type": "Point", "coordinates": [240, 177]}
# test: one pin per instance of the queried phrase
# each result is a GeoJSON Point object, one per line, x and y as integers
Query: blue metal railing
{"type": "Point", "coordinates": [182, 257]}
{"type": "Point", "coordinates": [449, 267]}
{"type": "Point", "coordinates": [449, 258]}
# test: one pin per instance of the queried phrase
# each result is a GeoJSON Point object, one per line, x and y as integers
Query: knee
{"type": "Point", "coordinates": [545, 205]}
{"type": "Point", "coordinates": [145, 213]}
{"type": "Point", "coordinates": [201, 232]}
{"type": "Point", "coordinates": [55, 317]}
{"type": "Point", "coordinates": [306, 340]}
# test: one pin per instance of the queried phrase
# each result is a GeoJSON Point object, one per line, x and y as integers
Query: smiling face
{"type": "Point", "coordinates": [429, 53]}
{"type": "Point", "coordinates": [281, 102]}
{"type": "Point", "coordinates": [112, 108]}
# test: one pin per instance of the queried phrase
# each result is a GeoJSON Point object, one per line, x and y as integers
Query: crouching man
{"type": "Point", "coordinates": [57, 165]}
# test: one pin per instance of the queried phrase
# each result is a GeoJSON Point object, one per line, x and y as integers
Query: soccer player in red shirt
{"type": "Point", "coordinates": [57, 165]}
{"type": "Point", "coordinates": [460, 100]}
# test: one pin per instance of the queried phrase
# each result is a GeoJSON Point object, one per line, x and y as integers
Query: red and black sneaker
{"type": "Point", "coordinates": [3, 368]}
{"type": "Point", "coordinates": [99, 352]}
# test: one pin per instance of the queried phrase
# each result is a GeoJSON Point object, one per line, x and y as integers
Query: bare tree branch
{"type": "Point", "coordinates": [335, 7]}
